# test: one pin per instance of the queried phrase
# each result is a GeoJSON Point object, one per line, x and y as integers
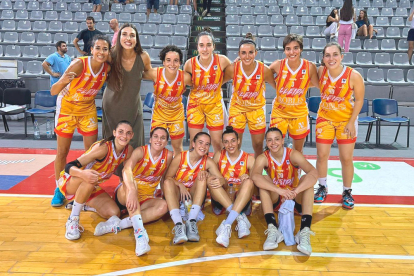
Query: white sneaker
{"type": "Point", "coordinates": [141, 241]}
{"type": "Point", "coordinates": [220, 228]}
{"type": "Point", "coordinates": [192, 231]}
{"type": "Point", "coordinates": [302, 238]}
{"type": "Point", "coordinates": [109, 226]}
{"type": "Point", "coordinates": [274, 237]}
{"type": "Point", "coordinates": [204, 13]}
{"type": "Point", "coordinates": [73, 228]}
{"type": "Point", "coordinates": [243, 226]}
{"type": "Point", "coordinates": [196, 13]}
{"type": "Point", "coordinates": [223, 237]}
{"type": "Point", "coordinates": [179, 234]}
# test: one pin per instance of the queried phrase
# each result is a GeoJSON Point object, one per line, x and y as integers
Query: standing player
{"type": "Point", "coordinates": [235, 165]}
{"type": "Point", "coordinates": [248, 102]}
{"type": "Point", "coordinates": [282, 165]}
{"type": "Point", "coordinates": [75, 106]}
{"type": "Point", "coordinates": [186, 179]}
{"type": "Point", "coordinates": [142, 173]}
{"type": "Point", "coordinates": [81, 178]}
{"type": "Point", "coordinates": [342, 92]}
{"type": "Point", "coordinates": [294, 76]}
{"type": "Point", "coordinates": [205, 102]}
{"type": "Point", "coordinates": [169, 85]}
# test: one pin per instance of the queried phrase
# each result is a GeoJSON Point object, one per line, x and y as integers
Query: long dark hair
{"type": "Point", "coordinates": [272, 129]}
{"type": "Point", "coordinates": [365, 17]}
{"type": "Point", "coordinates": [332, 14]}
{"type": "Point", "coordinates": [112, 137]}
{"type": "Point", "coordinates": [115, 79]}
{"type": "Point", "coordinates": [347, 11]}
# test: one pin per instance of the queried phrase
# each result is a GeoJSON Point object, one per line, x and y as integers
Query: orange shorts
{"type": "Point", "coordinates": [176, 129]}
{"type": "Point", "coordinates": [66, 124]}
{"type": "Point", "coordinates": [63, 180]}
{"type": "Point", "coordinates": [327, 131]}
{"type": "Point", "coordinates": [298, 127]}
{"type": "Point", "coordinates": [213, 114]}
{"type": "Point", "coordinates": [255, 119]}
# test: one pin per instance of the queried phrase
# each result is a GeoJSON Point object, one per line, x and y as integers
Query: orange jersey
{"type": "Point", "coordinates": [148, 172]}
{"type": "Point", "coordinates": [186, 172]}
{"type": "Point", "coordinates": [291, 89]}
{"type": "Point", "coordinates": [248, 91]}
{"type": "Point", "coordinates": [232, 171]}
{"type": "Point", "coordinates": [283, 175]}
{"type": "Point", "coordinates": [206, 81]}
{"type": "Point", "coordinates": [107, 166]}
{"type": "Point", "coordinates": [82, 90]}
{"type": "Point", "coordinates": [168, 97]}
{"type": "Point", "coordinates": [337, 97]}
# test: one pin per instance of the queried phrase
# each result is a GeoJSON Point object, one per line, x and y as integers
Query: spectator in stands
{"type": "Point", "coordinates": [152, 3]}
{"type": "Point", "coordinates": [195, 7]}
{"type": "Point", "coordinates": [332, 24]}
{"type": "Point", "coordinates": [114, 27]}
{"type": "Point", "coordinates": [410, 37]}
{"type": "Point", "coordinates": [123, 1]}
{"type": "Point", "coordinates": [55, 64]}
{"type": "Point", "coordinates": [364, 26]}
{"type": "Point", "coordinates": [346, 19]}
{"type": "Point", "coordinates": [206, 8]}
{"type": "Point", "coordinates": [97, 5]}
{"type": "Point", "coordinates": [86, 35]}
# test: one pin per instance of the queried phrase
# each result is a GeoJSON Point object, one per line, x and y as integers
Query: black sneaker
{"type": "Point", "coordinates": [347, 199]}
{"type": "Point", "coordinates": [321, 194]}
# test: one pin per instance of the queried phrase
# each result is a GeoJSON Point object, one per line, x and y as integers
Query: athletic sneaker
{"type": "Point", "coordinates": [347, 199]}
{"type": "Point", "coordinates": [196, 13]}
{"type": "Point", "coordinates": [320, 194]}
{"type": "Point", "coordinates": [73, 228]}
{"type": "Point", "coordinates": [208, 14]}
{"type": "Point", "coordinates": [223, 238]}
{"type": "Point", "coordinates": [302, 238]}
{"type": "Point", "coordinates": [109, 226]}
{"type": "Point", "coordinates": [243, 226]}
{"type": "Point", "coordinates": [141, 246]}
{"type": "Point", "coordinates": [192, 230]}
{"type": "Point", "coordinates": [58, 198]}
{"type": "Point", "coordinates": [85, 207]}
{"type": "Point", "coordinates": [204, 13]}
{"type": "Point", "coordinates": [179, 234]}
{"type": "Point", "coordinates": [274, 236]}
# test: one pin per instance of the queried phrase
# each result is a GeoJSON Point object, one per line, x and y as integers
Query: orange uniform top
{"type": "Point", "coordinates": [82, 90]}
{"type": "Point", "coordinates": [232, 171]}
{"type": "Point", "coordinates": [337, 97]}
{"type": "Point", "coordinates": [248, 91]}
{"type": "Point", "coordinates": [186, 172]}
{"type": "Point", "coordinates": [148, 172]}
{"type": "Point", "coordinates": [206, 81]}
{"type": "Point", "coordinates": [291, 89]}
{"type": "Point", "coordinates": [107, 166]}
{"type": "Point", "coordinates": [283, 175]}
{"type": "Point", "coordinates": [168, 97]}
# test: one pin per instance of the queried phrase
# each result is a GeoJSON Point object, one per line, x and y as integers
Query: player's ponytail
{"type": "Point", "coordinates": [229, 130]}
{"type": "Point", "coordinates": [248, 39]}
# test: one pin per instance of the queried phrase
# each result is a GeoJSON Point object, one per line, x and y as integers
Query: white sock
{"type": "Point", "coordinates": [231, 217]}
{"type": "Point", "coordinates": [76, 209]}
{"type": "Point", "coordinates": [194, 212]}
{"type": "Point", "coordinates": [229, 208]}
{"type": "Point", "coordinates": [57, 183]}
{"type": "Point", "coordinates": [322, 181]}
{"type": "Point", "coordinates": [137, 222]}
{"type": "Point", "coordinates": [125, 223]}
{"type": "Point", "coordinates": [346, 188]}
{"type": "Point", "coordinates": [175, 216]}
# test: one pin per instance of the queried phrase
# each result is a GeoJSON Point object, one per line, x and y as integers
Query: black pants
{"type": "Point", "coordinates": [206, 5]}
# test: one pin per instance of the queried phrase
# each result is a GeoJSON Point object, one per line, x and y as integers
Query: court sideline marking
{"type": "Point", "coordinates": [252, 254]}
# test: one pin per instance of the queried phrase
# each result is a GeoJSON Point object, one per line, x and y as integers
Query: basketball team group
{"type": "Point", "coordinates": [281, 176]}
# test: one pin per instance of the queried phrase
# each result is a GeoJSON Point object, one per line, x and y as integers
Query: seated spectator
{"type": "Point", "coordinates": [332, 24]}
{"type": "Point", "coordinates": [364, 26]}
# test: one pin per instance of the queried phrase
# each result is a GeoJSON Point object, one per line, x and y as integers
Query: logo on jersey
{"type": "Point", "coordinates": [288, 162]}
{"type": "Point", "coordinates": [257, 77]}
{"type": "Point", "coordinates": [162, 161]}
{"type": "Point", "coordinates": [201, 166]}
{"type": "Point", "coordinates": [179, 83]}
{"type": "Point", "coordinates": [303, 71]}
{"type": "Point", "coordinates": [215, 67]}
{"type": "Point", "coordinates": [242, 163]}
{"type": "Point", "coordinates": [103, 74]}
{"type": "Point", "coordinates": [343, 80]}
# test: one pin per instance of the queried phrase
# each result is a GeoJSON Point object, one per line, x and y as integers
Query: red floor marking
{"type": "Point", "coordinates": [42, 182]}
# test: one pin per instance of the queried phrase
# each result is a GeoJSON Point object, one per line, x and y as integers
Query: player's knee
{"type": "Point", "coordinates": [248, 183]}
{"type": "Point", "coordinates": [168, 184]}
{"type": "Point", "coordinates": [162, 208]}
{"type": "Point", "coordinates": [111, 212]}
{"type": "Point", "coordinates": [346, 159]}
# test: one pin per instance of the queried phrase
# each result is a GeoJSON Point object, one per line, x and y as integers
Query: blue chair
{"type": "Point", "coordinates": [313, 106]}
{"type": "Point", "coordinates": [367, 119]}
{"type": "Point", "coordinates": [149, 102]}
{"type": "Point", "coordinates": [43, 98]}
{"type": "Point", "coordinates": [386, 107]}
{"type": "Point", "coordinates": [99, 114]}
